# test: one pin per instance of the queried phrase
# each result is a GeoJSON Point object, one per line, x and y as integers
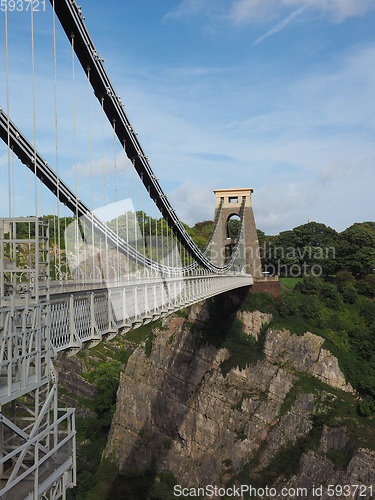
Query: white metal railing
{"type": "Point", "coordinates": [80, 314]}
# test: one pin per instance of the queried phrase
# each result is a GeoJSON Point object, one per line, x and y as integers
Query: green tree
{"type": "Point", "coordinates": [344, 277]}
{"type": "Point", "coordinates": [366, 286]}
{"type": "Point", "coordinates": [106, 378]}
{"type": "Point", "coordinates": [356, 251]}
{"type": "Point", "coordinates": [307, 248]}
{"type": "Point", "coordinates": [201, 233]}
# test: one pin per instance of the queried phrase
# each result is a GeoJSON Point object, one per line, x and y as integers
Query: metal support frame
{"type": "Point", "coordinates": [37, 438]}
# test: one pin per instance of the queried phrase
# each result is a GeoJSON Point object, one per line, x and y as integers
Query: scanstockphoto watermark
{"type": "Point", "coordinates": [249, 491]}
{"type": "Point", "coordinates": [240, 491]}
{"type": "Point", "coordinates": [22, 5]}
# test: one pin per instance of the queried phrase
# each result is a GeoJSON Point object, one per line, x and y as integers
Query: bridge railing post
{"type": "Point", "coordinates": [155, 300]}
{"type": "Point", "coordinates": [95, 334]}
{"type": "Point", "coordinates": [75, 341]}
{"type": "Point", "coordinates": [126, 322]}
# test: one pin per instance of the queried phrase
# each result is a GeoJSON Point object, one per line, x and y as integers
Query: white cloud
{"type": "Point", "coordinates": [254, 11]}
{"type": "Point", "coordinates": [345, 92]}
{"type": "Point", "coordinates": [193, 202]}
{"type": "Point", "coordinates": [339, 195]}
{"type": "Point", "coordinates": [283, 138]}
{"type": "Point", "coordinates": [114, 210]}
{"type": "Point", "coordinates": [342, 169]}
{"type": "Point", "coordinates": [97, 167]}
{"type": "Point", "coordinates": [191, 7]}
{"type": "Point", "coordinates": [338, 10]}
{"type": "Point", "coordinates": [245, 11]}
{"type": "Point", "coordinates": [279, 207]}
{"type": "Point", "coordinates": [336, 169]}
{"type": "Point", "coordinates": [280, 26]}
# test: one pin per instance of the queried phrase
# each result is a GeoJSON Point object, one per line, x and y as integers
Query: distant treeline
{"type": "Point", "coordinates": [128, 226]}
{"type": "Point", "coordinates": [317, 249]}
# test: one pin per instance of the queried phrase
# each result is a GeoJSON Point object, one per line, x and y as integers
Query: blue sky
{"type": "Point", "coordinates": [274, 95]}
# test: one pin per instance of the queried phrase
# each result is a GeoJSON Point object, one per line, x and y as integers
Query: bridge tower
{"type": "Point", "coordinates": [230, 201]}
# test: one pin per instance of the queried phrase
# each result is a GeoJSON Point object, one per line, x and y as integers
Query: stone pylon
{"type": "Point", "coordinates": [231, 201]}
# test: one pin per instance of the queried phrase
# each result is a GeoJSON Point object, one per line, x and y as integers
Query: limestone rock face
{"type": "Point", "coordinates": [252, 322]}
{"type": "Point", "coordinates": [316, 470]}
{"type": "Point", "coordinates": [69, 373]}
{"type": "Point", "coordinates": [334, 439]}
{"type": "Point", "coordinates": [176, 405]}
{"type": "Point", "coordinates": [295, 424]}
{"type": "Point", "coordinates": [362, 467]}
{"type": "Point", "coordinates": [69, 370]}
{"type": "Point", "coordinates": [305, 354]}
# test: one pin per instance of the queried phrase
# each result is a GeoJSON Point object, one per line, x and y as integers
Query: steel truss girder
{"type": "Point", "coordinates": [37, 438]}
{"type": "Point", "coordinates": [24, 350]}
{"type": "Point", "coordinates": [38, 446]}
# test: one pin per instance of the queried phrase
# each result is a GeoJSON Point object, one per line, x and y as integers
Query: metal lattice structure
{"type": "Point", "coordinates": [37, 437]}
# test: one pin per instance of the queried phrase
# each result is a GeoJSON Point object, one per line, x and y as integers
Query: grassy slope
{"type": "Point", "coordinates": [290, 282]}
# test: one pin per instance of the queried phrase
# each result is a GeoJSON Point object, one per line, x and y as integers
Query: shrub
{"type": "Point", "coordinates": [343, 278]}
{"type": "Point", "coordinates": [106, 378]}
{"type": "Point", "coordinates": [311, 308]}
{"type": "Point", "coordinates": [148, 344]}
{"type": "Point", "coordinates": [287, 305]}
{"type": "Point", "coordinates": [366, 406]}
{"type": "Point", "coordinates": [349, 293]}
{"type": "Point", "coordinates": [366, 286]}
{"type": "Point", "coordinates": [311, 285]}
{"type": "Point", "coordinates": [368, 312]}
{"type": "Point", "coordinates": [243, 349]}
{"type": "Point", "coordinates": [331, 296]}
{"type": "Point", "coordinates": [260, 301]}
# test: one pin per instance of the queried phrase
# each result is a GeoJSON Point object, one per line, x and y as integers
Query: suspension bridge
{"type": "Point", "coordinates": [111, 255]}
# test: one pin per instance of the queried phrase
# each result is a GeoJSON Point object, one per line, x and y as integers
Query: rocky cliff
{"type": "Point", "coordinates": [175, 405]}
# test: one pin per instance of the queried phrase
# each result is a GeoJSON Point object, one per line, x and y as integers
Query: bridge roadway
{"type": "Point", "coordinates": [88, 312]}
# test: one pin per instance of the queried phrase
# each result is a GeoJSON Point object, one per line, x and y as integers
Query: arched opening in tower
{"type": "Point", "coordinates": [233, 227]}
